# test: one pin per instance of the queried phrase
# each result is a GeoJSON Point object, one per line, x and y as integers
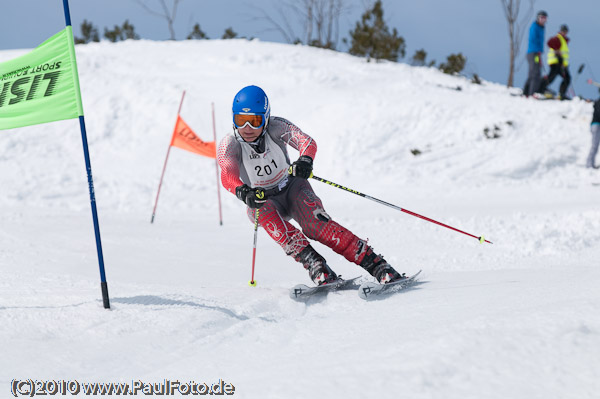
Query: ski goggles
{"type": "Point", "coordinates": [254, 121]}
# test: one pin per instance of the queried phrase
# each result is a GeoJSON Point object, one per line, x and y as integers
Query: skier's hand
{"type": "Point", "coordinates": [256, 198]}
{"type": "Point", "coordinates": [302, 167]}
{"type": "Point", "coordinates": [253, 197]}
{"type": "Point", "coordinates": [241, 192]}
{"type": "Point", "coordinates": [537, 58]}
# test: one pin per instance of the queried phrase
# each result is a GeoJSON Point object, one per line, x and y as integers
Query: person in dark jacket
{"type": "Point", "coordinates": [534, 52]}
{"type": "Point", "coordinates": [591, 161]}
{"type": "Point", "coordinates": [558, 61]}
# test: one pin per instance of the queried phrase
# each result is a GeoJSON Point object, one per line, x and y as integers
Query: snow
{"type": "Point", "coordinates": [516, 319]}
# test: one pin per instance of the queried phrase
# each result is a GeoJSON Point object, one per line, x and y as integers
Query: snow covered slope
{"type": "Point", "coordinates": [516, 319]}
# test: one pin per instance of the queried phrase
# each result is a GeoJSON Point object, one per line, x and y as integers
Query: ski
{"type": "Point", "coordinates": [370, 289]}
{"type": "Point", "coordinates": [302, 291]}
{"type": "Point", "coordinates": [547, 95]}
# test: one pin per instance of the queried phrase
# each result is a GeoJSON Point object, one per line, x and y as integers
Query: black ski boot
{"type": "Point", "coordinates": [316, 265]}
{"type": "Point", "coordinates": [379, 268]}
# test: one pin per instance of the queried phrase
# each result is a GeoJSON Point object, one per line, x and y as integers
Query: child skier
{"type": "Point", "coordinates": [256, 167]}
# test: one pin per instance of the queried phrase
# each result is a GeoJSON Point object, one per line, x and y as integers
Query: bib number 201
{"type": "Point", "coordinates": [265, 169]}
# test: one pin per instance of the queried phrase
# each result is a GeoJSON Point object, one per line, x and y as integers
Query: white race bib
{"type": "Point", "coordinates": [268, 169]}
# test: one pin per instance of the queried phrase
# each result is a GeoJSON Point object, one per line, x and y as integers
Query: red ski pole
{"type": "Point", "coordinates": [480, 238]}
{"type": "Point", "coordinates": [591, 82]}
{"type": "Point", "coordinates": [252, 282]}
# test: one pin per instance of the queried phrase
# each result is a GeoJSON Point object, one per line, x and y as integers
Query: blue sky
{"type": "Point", "coordinates": [477, 28]}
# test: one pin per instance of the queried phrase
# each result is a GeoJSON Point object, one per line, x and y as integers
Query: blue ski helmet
{"type": "Point", "coordinates": [248, 102]}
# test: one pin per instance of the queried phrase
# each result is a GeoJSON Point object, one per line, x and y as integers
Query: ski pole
{"type": "Point", "coordinates": [252, 282]}
{"type": "Point", "coordinates": [579, 70]}
{"type": "Point", "coordinates": [480, 238]}
{"type": "Point", "coordinates": [572, 85]}
{"type": "Point", "coordinates": [591, 82]}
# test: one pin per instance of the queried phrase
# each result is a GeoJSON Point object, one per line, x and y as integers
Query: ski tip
{"type": "Point", "coordinates": [298, 290]}
{"type": "Point", "coordinates": [365, 290]}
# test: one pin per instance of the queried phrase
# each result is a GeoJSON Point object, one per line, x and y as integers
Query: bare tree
{"type": "Point", "coordinates": [308, 6]}
{"type": "Point", "coordinates": [319, 19]}
{"type": "Point", "coordinates": [516, 30]}
{"type": "Point", "coordinates": [168, 13]}
{"type": "Point", "coordinates": [280, 23]}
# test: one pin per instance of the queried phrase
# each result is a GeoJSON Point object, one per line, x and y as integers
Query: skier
{"type": "Point", "coordinates": [595, 136]}
{"type": "Point", "coordinates": [534, 52]}
{"type": "Point", "coordinates": [558, 60]}
{"type": "Point", "coordinates": [255, 166]}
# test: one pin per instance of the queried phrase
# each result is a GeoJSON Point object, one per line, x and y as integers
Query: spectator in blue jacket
{"type": "Point", "coordinates": [534, 52]}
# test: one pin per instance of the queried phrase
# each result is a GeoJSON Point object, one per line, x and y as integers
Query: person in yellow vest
{"type": "Point", "coordinates": [558, 60]}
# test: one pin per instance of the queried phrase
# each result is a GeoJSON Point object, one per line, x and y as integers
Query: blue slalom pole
{"type": "Point", "coordinates": [88, 165]}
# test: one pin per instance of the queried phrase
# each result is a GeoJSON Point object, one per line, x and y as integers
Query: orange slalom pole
{"type": "Point", "coordinates": [217, 166]}
{"type": "Point", "coordinates": [166, 159]}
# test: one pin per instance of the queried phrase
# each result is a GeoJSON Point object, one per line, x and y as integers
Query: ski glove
{"type": "Point", "coordinates": [253, 197]}
{"type": "Point", "coordinates": [302, 167]}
